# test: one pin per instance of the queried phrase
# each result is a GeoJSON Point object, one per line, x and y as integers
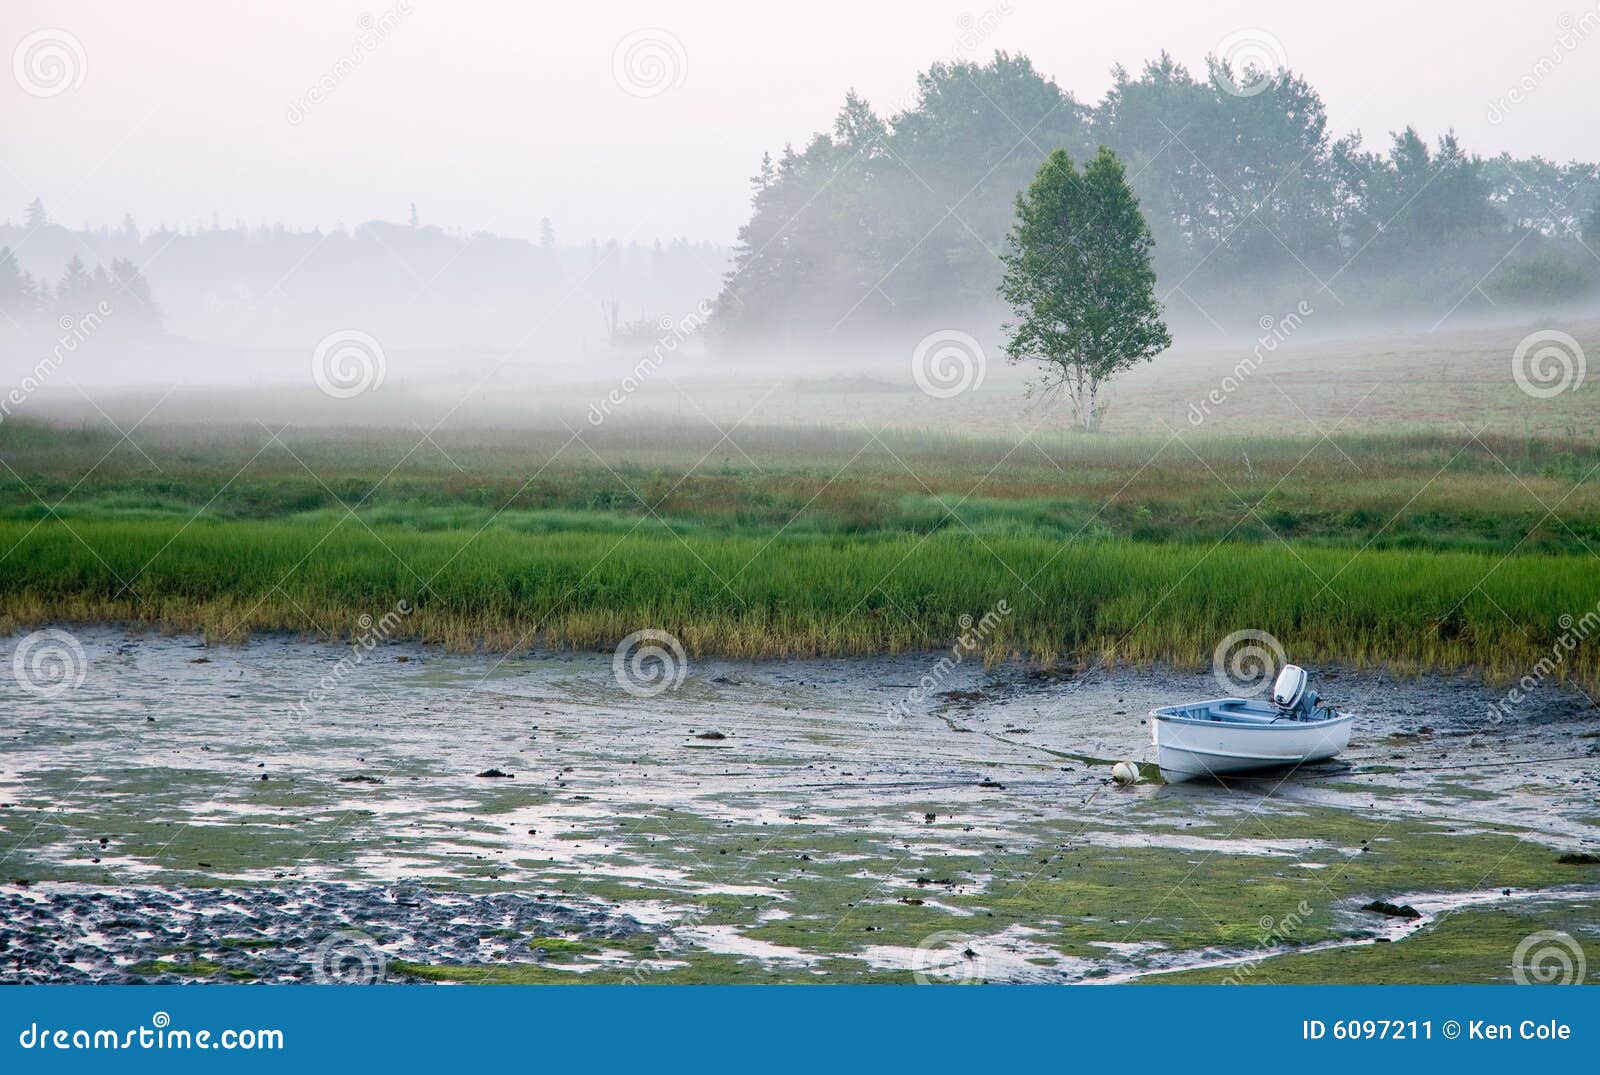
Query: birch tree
{"type": "Point", "coordinates": [1079, 278]}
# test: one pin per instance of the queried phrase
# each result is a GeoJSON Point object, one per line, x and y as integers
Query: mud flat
{"type": "Point", "coordinates": [181, 815]}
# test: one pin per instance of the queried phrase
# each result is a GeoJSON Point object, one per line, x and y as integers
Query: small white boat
{"type": "Point", "coordinates": [1233, 735]}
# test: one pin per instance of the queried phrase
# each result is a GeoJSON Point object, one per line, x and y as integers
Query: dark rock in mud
{"type": "Point", "coordinates": [710, 735]}
{"type": "Point", "coordinates": [66, 934]}
{"type": "Point", "coordinates": [1393, 910]}
{"type": "Point", "coordinates": [496, 774]}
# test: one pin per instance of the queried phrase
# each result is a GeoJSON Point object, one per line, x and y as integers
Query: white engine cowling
{"type": "Point", "coordinates": [1289, 687]}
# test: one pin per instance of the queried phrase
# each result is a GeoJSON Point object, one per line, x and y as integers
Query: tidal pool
{"type": "Point", "coordinates": [295, 810]}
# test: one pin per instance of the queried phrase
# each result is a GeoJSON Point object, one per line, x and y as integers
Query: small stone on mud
{"type": "Point", "coordinates": [710, 735]}
{"type": "Point", "coordinates": [991, 784]}
{"type": "Point", "coordinates": [929, 818]}
{"type": "Point", "coordinates": [361, 778]}
{"type": "Point", "coordinates": [497, 774]}
{"type": "Point", "coordinates": [402, 659]}
{"type": "Point", "coordinates": [1393, 910]}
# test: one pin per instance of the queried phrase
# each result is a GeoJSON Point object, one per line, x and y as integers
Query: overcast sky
{"type": "Point", "coordinates": [491, 115]}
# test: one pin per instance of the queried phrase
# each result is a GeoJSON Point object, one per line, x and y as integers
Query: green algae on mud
{"type": "Point", "coordinates": [1177, 904]}
{"type": "Point", "coordinates": [1074, 894]}
{"type": "Point", "coordinates": [1470, 946]}
{"type": "Point", "coordinates": [818, 842]}
{"type": "Point", "coordinates": [676, 968]}
{"type": "Point", "coordinates": [835, 894]}
{"type": "Point", "coordinates": [196, 968]}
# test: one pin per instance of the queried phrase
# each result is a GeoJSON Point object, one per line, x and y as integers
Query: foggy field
{"type": "Point", "coordinates": [1452, 382]}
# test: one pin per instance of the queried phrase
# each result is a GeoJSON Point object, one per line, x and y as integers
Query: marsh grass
{"type": "Point", "coordinates": [778, 595]}
{"type": "Point", "coordinates": [1419, 550]}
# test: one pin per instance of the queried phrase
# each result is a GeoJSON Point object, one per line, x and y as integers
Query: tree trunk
{"type": "Point", "coordinates": [1081, 388]}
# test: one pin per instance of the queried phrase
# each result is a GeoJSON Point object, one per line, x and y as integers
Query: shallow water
{"type": "Point", "coordinates": [180, 765]}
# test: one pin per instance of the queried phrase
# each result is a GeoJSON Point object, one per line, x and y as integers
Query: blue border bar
{"type": "Point", "coordinates": [765, 1029]}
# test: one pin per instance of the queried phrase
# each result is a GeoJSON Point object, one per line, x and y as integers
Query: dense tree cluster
{"type": "Point", "coordinates": [1250, 198]}
{"type": "Point", "coordinates": [26, 300]}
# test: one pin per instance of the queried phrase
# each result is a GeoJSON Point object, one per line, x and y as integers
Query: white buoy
{"type": "Point", "coordinates": [1125, 772]}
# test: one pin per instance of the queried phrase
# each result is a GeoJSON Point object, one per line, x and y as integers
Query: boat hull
{"type": "Point", "coordinates": [1194, 747]}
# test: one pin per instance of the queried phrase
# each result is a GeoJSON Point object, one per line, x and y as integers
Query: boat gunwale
{"type": "Point", "coordinates": [1164, 713]}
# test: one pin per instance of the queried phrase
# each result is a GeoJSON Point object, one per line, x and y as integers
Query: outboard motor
{"type": "Point", "coordinates": [1290, 695]}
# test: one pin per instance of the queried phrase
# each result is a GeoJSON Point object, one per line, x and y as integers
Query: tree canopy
{"type": "Point", "coordinates": [902, 217]}
{"type": "Point", "coordinates": [1080, 280]}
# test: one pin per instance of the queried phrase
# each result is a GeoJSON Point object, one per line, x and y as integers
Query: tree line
{"type": "Point", "coordinates": [27, 301]}
{"type": "Point", "coordinates": [1251, 201]}
{"type": "Point", "coordinates": [271, 284]}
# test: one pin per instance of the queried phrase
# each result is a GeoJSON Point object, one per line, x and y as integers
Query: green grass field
{"type": "Point", "coordinates": [1413, 490]}
{"type": "Point", "coordinates": [1415, 550]}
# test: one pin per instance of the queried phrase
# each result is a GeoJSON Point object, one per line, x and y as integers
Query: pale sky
{"type": "Point", "coordinates": [490, 114]}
